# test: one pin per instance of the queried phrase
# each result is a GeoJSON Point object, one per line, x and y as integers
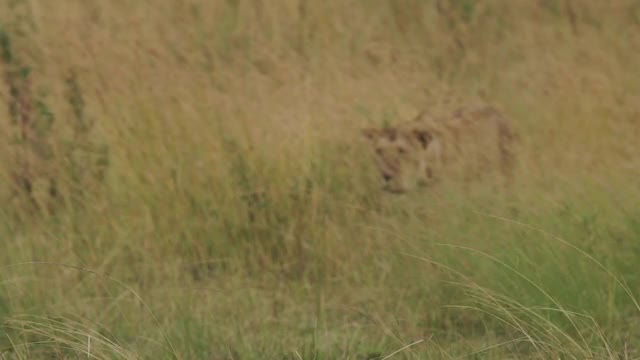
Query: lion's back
{"type": "Point", "coordinates": [472, 139]}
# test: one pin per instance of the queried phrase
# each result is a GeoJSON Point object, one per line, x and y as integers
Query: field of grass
{"type": "Point", "coordinates": [187, 180]}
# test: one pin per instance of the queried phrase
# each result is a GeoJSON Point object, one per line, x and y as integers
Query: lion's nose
{"type": "Point", "coordinates": [386, 177]}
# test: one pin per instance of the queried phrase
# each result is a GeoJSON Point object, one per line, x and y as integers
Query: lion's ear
{"type": "Point", "coordinates": [422, 116]}
{"type": "Point", "coordinates": [371, 133]}
{"type": "Point", "coordinates": [424, 137]}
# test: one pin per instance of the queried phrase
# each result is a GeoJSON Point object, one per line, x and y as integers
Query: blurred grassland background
{"type": "Point", "coordinates": [187, 179]}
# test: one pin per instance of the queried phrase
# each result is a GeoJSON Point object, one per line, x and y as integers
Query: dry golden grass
{"type": "Point", "coordinates": [241, 207]}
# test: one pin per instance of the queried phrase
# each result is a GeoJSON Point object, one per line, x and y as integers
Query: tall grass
{"type": "Point", "coordinates": [214, 199]}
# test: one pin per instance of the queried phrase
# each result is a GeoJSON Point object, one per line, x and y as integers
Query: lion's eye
{"type": "Point", "coordinates": [401, 150]}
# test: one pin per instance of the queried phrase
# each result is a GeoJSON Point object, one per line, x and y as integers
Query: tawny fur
{"type": "Point", "coordinates": [465, 144]}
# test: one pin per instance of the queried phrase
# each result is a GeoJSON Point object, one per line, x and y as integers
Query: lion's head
{"type": "Point", "coordinates": [401, 156]}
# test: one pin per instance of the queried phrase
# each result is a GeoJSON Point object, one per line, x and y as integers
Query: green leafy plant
{"type": "Point", "coordinates": [31, 120]}
{"type": "Point", "coordinates": [39, 169]}
{"type": "Point", "coordinates": [86, 161]}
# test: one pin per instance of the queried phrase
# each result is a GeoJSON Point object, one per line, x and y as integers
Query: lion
{"type": "Point", "coordinates": [466, 143]}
